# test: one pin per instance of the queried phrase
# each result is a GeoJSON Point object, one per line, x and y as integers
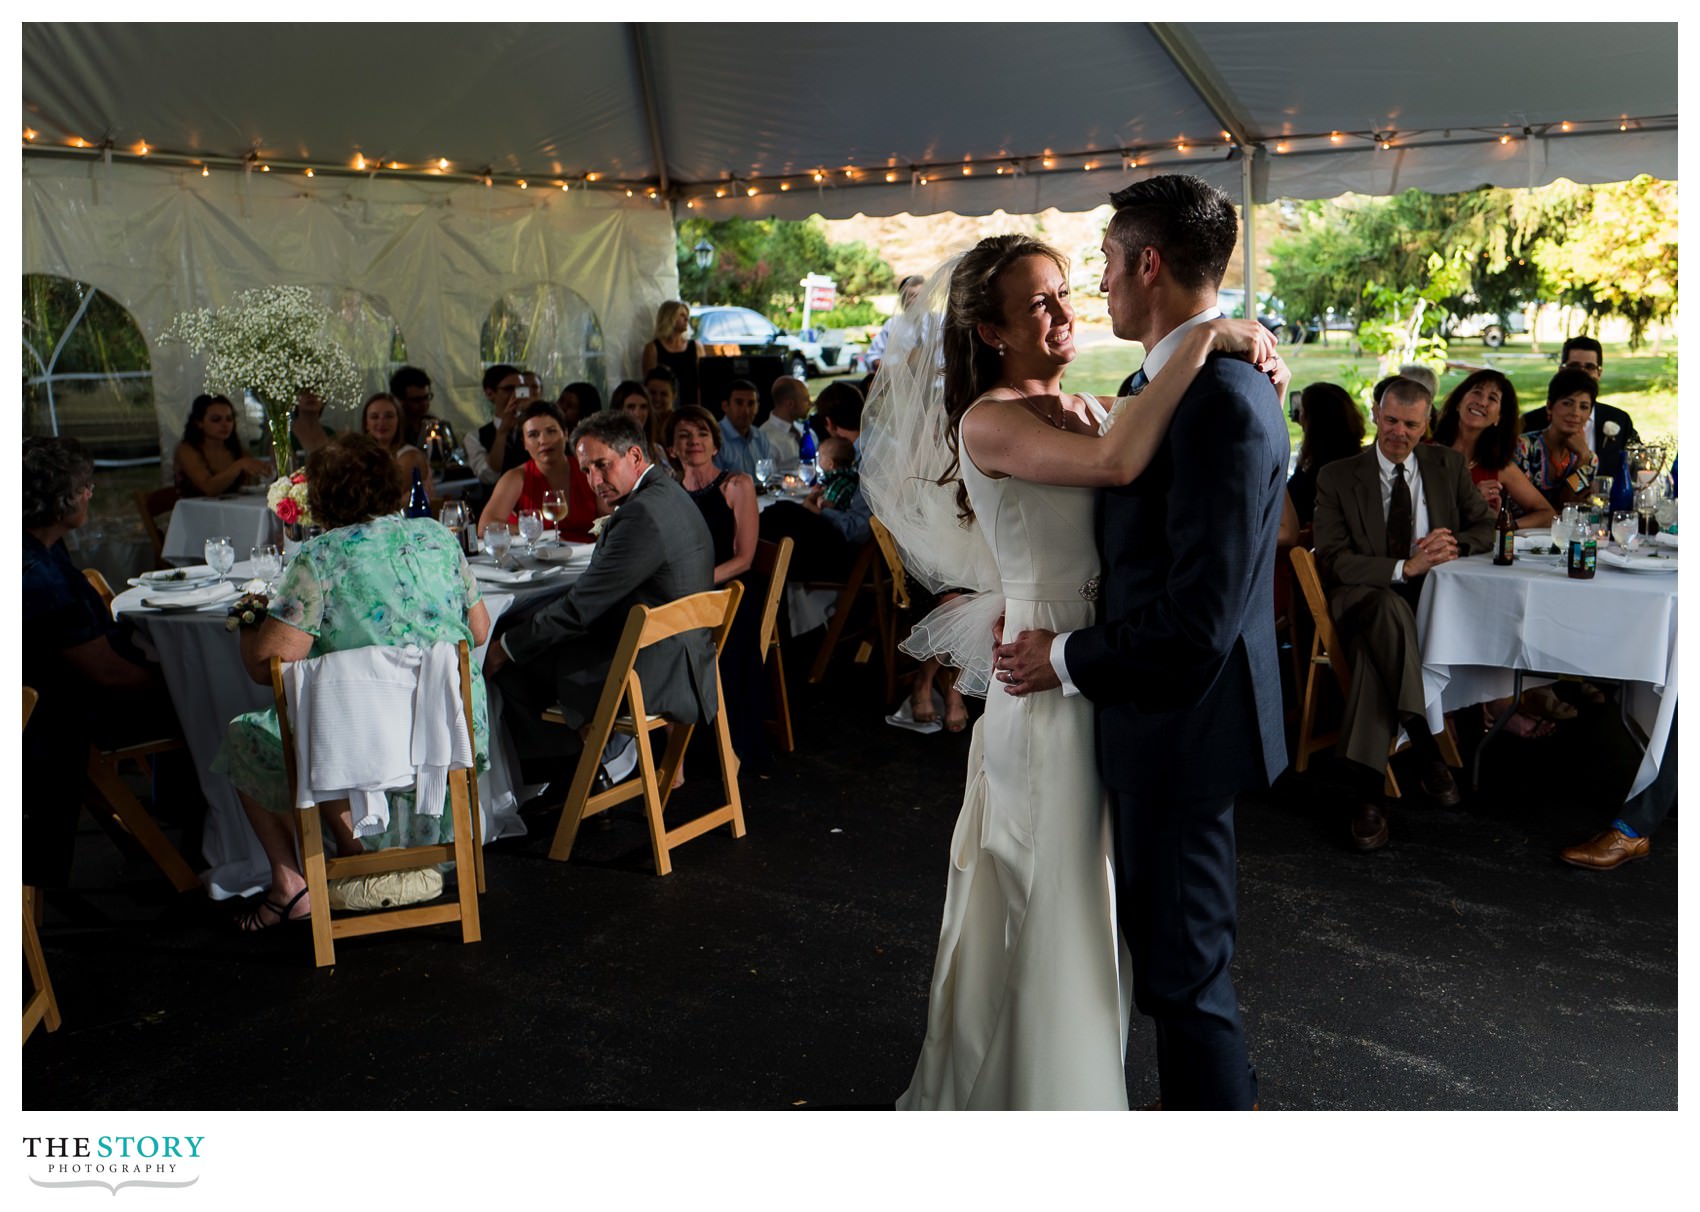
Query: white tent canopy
{"type": "Point", "coordinates": [168, 163]}
{"type": "Point", "coordinates": [690, 109]}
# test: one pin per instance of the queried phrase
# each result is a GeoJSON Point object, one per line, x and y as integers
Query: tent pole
{"type": "Point", "coordinates": [646, 84]}
{"type": "Point", "coordinates": [1251, 312]}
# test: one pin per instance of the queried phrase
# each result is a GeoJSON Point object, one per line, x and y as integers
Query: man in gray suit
{"type": "Point", "coordinates": [653, 550]}
{"type": "Point", "coordinates": [1379, 529]}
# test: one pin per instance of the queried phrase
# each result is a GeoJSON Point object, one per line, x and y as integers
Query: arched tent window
{"type": "Point", "coordinates": [550, 330]}
{"type": "Point", "coordinates": [361, 325]}
{"type": "Point", "coordinates": [87, 372]}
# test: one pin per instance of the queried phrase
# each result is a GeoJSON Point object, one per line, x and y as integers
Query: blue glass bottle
{"type": "Point", "coordinates": [418, 504]}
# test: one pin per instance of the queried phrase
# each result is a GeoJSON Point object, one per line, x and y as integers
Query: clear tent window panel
{"type": "Point", "coordinates": [550, 330]}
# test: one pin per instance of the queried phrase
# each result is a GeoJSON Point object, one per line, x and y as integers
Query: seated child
{"type": "Point", "coordinates": [838, 479]}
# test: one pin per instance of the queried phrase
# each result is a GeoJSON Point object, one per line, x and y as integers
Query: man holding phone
{"type": "Point", "coordinates": [497, 447]}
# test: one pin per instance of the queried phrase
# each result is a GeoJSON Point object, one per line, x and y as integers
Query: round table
{"type": "Point", "coordinates": [1481, 624]}
{"type": "Point", "coordinates": [209, 687]}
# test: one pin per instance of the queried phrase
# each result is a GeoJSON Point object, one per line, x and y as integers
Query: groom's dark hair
{"type": "Point", "coordinates": [1188, 221]}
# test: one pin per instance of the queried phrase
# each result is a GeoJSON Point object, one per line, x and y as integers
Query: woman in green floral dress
{"type": "Point", "coordinates": [374, 577]}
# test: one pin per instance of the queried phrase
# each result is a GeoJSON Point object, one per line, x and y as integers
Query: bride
{"type": "Point", "coordinates": [985, 476]}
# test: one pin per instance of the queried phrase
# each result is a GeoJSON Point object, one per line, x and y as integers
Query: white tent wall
{"type": "Point", "coordinates": [436, 255]}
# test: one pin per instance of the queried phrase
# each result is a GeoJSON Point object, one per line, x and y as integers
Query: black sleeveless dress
{"type": "Point", "coordinates": [747, 697]}
{"type": "Point", "coordinates": [684, 366]}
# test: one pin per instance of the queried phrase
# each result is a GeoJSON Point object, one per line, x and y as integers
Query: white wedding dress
{"type": "Point", "coordinates": [1031, 988]}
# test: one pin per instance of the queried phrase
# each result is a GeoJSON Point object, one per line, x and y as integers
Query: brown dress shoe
{"type": "Point", "coordinates": [1438, 784]}
{"type": "Point", "coordinates": [1607, 850]}
{"type": "Point", "coordinates": [1369, 827]}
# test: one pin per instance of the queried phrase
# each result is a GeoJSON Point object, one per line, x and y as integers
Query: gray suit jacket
{"type": "Point", "coordinates": [653, 550]}
{"type": "Point", "coordinates": [1351, 529]}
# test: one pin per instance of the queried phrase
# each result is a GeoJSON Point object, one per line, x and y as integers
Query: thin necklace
{"type": "Point", "coordinates": [1050, 416]}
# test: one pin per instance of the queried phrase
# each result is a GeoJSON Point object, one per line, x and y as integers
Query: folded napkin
{"type": "Point", "coordinates": [504, 576]}
{"type": "Point", "coordinates": [205, 596]}
{"type": "Point", "coordinates": [1664, 539]}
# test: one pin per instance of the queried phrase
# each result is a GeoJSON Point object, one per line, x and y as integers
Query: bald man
{"type": "Point", "coordinates": [784, 427]}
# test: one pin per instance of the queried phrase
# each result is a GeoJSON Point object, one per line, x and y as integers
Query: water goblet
{"type": "Point", "coordinates": [764, 473]}
{"type": "Point", "coordinates": [220, 554]}
{"type": "Point", "coordinates": [1647, 504]}
{"type": "Point", "coordinates": [496, 541]}
{"type": "Point", "coordinates": [268, 563]}
{"type": "Point", "coordinates": [1623, 528]}
{"type": "Point", "coordinates": [530, 529]}
{"type": "Point", "coordinates": [555, 506]}
{"type": "Point", "coordinates": [807, 472]}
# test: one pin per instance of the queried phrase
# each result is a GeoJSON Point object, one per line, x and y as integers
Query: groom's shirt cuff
{"type": "Point", "coordinates": [1058, 644]}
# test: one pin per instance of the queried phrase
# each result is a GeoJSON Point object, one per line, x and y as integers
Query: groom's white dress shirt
{"type": "Point", "coordinates": [1153, 366]}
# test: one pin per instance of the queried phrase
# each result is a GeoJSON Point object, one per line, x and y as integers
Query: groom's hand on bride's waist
{"type": "Point", "coordinates": [1024, 665]}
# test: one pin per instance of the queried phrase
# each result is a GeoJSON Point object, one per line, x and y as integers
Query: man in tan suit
{"type": "Point", "coordinates": [1379, 528]}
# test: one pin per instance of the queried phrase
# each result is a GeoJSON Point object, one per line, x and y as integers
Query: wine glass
{"type": "Point", "coordinates": [221, 555]}
{"type": "Point", "coordinates": [555, 506]}
{"type": "Point", "coordinates": [496, 541]}
{"type": "Point", "coordinates": [764, 473]}
{"type": "Point", "coordinates": [268, 564]}
{"type": "Point", "coordinates": [530, 529]}
{"type": "Point", "coordinates": [1647, 504]}
{"type": "Point", "coordinates": [807, 472]}
{"type": "Point", "coordinates": [1623, 528]}
{"type": "Point", "coordinates": [453, 517]}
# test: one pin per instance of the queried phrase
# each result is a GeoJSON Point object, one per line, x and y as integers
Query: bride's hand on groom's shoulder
{"type": "Point", "coordinates": [1244, 338]}
{"type": "Point", "coordinates": [1280, 374]}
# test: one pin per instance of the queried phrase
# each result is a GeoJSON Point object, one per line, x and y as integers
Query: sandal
{"type": "Point", "coordinates": [956, 721]}
{"type": "Point", "coordinates": [930, 716]}
{"type": "Point", "coordinates": [1529, 728]}
{"type": "Point", "coordinates": [252, 921]}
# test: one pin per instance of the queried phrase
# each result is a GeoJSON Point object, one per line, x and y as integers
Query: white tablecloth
{"type": "Point", "coordinates": [244, 518]}
{"type": "Point", "coordinates": [203, 671]}
{"type": "Point", "coordinates": [1478, 622]}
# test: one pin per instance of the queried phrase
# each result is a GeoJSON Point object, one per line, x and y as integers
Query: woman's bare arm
{"type": "Point", "coordinates": [1537, 514]}
{"type": "Point", "coordinates": [1005, 438]}
{"type": "Point", "coordinates": [740, 493]}
{"type": "Point", "coordinates": [503, 497]}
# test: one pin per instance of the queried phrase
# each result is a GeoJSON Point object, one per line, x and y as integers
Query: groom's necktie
{"type": "Point", "coordinates": [1138, 382]}
{"type": "Point", "coordinates": [1399, 516]}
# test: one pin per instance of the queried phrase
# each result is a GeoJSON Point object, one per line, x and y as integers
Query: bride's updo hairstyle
{"type": "Point", "coordinates": [971, 367]}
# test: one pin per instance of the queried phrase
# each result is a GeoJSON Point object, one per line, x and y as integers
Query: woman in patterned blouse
{"type": "Point", "coordinates": [1557, 459]}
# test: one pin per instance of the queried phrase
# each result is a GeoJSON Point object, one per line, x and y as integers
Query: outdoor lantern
{"type": "Point", "coordinates": [704, 253]}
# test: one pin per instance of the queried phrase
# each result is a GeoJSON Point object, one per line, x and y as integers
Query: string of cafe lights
{"type": "Point", "coordinates": [1168, 153]}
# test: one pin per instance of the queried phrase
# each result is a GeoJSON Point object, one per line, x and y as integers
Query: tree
{"type": "Point", "coordinates": [758, 263]}
{"type": "Point", "coordinates": [1610, 248]}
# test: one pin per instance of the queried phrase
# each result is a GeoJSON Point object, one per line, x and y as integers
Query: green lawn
{"type": "Point", "coordinates": [1643, 386]}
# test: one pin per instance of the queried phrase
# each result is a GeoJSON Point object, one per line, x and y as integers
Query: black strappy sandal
{"type": "Point", "coordinates": [252, 922]}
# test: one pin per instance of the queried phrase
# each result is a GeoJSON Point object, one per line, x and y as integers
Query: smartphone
{"type": "Point", "coordinates": [1293, 405]}
{"type": "Point", "coordinates": [522, 392]}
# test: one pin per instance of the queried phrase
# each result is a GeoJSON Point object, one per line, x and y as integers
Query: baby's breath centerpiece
{"type": "Point", "coordinates": [274, 342]}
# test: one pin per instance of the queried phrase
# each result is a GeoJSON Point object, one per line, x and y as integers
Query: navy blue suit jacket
{"type": "Point", "coordinates": [1182, 665]}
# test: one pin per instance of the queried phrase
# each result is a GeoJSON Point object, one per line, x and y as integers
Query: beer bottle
{"type": "Point", "coordinates": [1583, 552]}
{"type": "Point", "coordinates": [1504, 534]}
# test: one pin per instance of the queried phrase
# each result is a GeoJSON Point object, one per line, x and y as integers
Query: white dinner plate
{"type": "Point", "coordinates": [1641, 561]}
{"type": "Point", "coordinates": [210, 595]}
{"type": "Point", "coordinates": [1534, 541]}
{"type": "Point", "coordinates": [254, 490]}
{"type": "Point", "coordinates": [176, 580]}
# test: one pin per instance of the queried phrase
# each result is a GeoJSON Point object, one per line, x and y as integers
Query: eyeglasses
{"type": "Point", "coordinates": [1581, 365]}
{"type": "Point", "coordinates": [414, 397]}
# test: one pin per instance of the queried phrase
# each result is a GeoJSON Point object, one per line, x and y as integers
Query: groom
{"type": "Point", "coordinates": [1182, 665]}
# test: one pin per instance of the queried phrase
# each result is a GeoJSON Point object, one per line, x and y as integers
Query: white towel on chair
{"type": "Point", "coordinates": [376, 719]}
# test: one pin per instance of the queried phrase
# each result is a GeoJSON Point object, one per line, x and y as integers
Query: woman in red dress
{"type": "Point", "coordinates": [551, 467]}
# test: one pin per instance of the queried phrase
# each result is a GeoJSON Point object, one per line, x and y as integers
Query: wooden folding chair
{"type": "Point", "coordinates": [111, 799]}
{"type": "Point", "coordinates": [150, 505]}
{"type": "Point", "coordinates": [622, 708]}
{"type": "Point", "coordinates": [867, 576]}
{"type": "Point", "coordinates": [320, 870]}
{"type": "Point", "coordinates": [773, 561]}
{"type": "Point", "coordinates": [1327, 652]}
{"type": "Point", "coordinates": [902, 606]}
{"type": "Point", "coordinates": [43, 1006]}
